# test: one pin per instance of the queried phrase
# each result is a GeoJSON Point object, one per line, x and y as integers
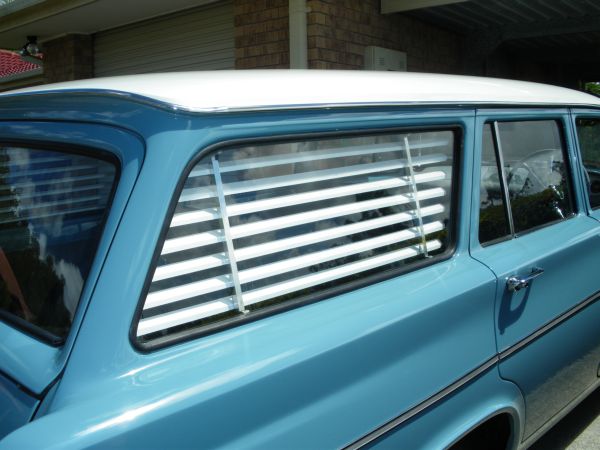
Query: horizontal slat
{"type": "Point", "coordinates": [185, 315]}
{"type": "Point", "coordinates": [38, 193]}
{"type": "Point", "coordinates": [63, 180]}
{"type": "Point", "coordinates": [263, 226]}
{"type": "Point", "coordinates": [192, 241]}
{"type": "Point", "coordinates": [200, 170]}
{"type": "Point", "coordinates": [16, 160]}
{"type": "Point", "coordinates": [300, 262]}
{"type": "Point", "coordinates": [271, 247]}
{"type": "Point", "coordinates": [30, 217]}
{"type": "Point", "coordinates": [189, 290]}
{"type": "Point", "coordinates": [201, 193]}
{"type": "Point", "coordinates": [328, 194]}
{"type": "Point", "coordinates": [312, 155]}
{"type": "Point", "coordinates": [51, 205]}
{"type": "Point", "coordinates": [317, 155]}
{"type": "Point", "coordinates": [381, 167]}
{"type": "Point", "coordinates": [286, 287]}
{"type": "Point", "coordinates": [197, 193]}
{"type": "Point", "coordinates": [49, 171]}
{"type": "Point", "coordinates": [189, 266]}
{"type": "Point", "coordinates": [200, 216]}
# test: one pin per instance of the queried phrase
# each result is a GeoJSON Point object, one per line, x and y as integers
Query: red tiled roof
{"type": "Point", "coordinates": [12, 64]}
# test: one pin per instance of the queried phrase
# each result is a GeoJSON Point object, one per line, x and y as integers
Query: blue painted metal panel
{"type": "Point", "coordinates": [26, 359]}
{"type": "Point", "coordinates": [318, 376]}
{"type": "Point", "coordinates": [457, 414]}
{"type": "Point", "coordinates": [566, 362]}
{"type": "Point", "coordinates": [16, 407]}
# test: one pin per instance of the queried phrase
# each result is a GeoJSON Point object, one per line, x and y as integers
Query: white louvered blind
{"type": "Point", "coordinates": [262, 225]}
{"type": "Point", "coordinates": [42, 186]}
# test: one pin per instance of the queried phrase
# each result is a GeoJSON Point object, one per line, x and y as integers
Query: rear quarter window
{"type": "Point", "coordinates": [52, 210]}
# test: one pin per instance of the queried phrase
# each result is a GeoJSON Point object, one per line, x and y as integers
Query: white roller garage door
{"type": "Point", "coordinates": [196, 39]}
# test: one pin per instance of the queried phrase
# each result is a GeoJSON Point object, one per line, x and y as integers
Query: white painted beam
{"type": "Point", "coordinates": [394, 6]}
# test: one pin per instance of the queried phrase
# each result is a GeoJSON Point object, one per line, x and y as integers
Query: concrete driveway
{"type": "Point", "coordinates": [579, 430]}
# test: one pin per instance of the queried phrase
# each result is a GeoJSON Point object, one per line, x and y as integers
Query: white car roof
{"type": "Point", "coordinates": [272, 89]}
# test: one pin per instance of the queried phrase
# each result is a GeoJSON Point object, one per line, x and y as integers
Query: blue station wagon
{"type": "Point", "coordinates": [289, 259]}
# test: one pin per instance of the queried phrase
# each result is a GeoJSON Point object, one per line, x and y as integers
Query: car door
{"type": "Point", "coordinates": [534, 233]}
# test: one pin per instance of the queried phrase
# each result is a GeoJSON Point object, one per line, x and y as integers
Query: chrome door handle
{"type": "Point", "coordinates": [516, 283]}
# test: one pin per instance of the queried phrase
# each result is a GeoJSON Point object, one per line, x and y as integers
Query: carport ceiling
{"type": "Point", "coordinates": [556, 29]}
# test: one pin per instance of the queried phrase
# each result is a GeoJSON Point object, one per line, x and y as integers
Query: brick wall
{"type": "Point", "coordinates": [68, 58]}
{"type": "Point", "coordinates": [261, 34]}
{"type": "Point", "coordinates": [339, 31]}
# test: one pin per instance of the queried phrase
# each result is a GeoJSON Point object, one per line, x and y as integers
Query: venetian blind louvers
{"type": "Point", "coordinates": [40, 188]}
{"type": "Point", "coordinates": [255, 227]}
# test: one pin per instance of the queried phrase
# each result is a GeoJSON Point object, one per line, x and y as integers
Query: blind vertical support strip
{"type": "Point", "coordinates": [413, 184]}
{"type": "Point", "coordinates": [227, 233]}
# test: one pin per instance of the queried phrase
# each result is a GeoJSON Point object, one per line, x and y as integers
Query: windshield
{"type": "Point", "coordinates": [52, 209]}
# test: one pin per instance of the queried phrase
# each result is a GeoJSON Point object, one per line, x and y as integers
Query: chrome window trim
{"type": "Point", "coordinates": [503, 177]}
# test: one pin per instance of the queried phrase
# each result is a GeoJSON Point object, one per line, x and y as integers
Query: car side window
{"type": "Point", "coordinates": [53, 207]}
{"type": "Point", "coordinates": [533, 177]}
{"type": "Point", "coordinates": [263, 225]}
{"type": "Point", "coordinates": [588, 132]}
